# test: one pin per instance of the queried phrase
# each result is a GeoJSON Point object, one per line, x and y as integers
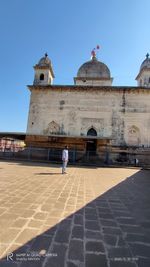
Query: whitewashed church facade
{"type": "Point", "coordinates": [91, 115]}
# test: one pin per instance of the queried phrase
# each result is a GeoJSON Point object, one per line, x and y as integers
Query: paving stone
{"type": "Point", "coordinates": [114, 200]}
{"type": "Point", "coordinates": [122, 205]}
{"type": "Point", "coordinates": [147, 215]}
{"type": "Point", "coordinates": [118, 253]}
{"type": "Point", "coordinates": [121, 242]}
{"type": "Point", "coordinates": [72, 264]}
{"type": "Point", "coordinates": [121, 213]}
{"type": "Point", "coordinates": [100, 200]}
{"type": "Point", "coordinates": [143, 262]}
{"type": "Point", "coordinates": [77, 232]}
{"type": "Point", "coordinates": [19, 223]}
{"type": "Point", "coordinates": [26, 235]}
{"type": "Point", "coordinates": [137, 238]}
{"type": "Point", "coordinates": [131, 229]}
{"type": "Point", "coordinates": [127, 221]}
{"type": "Point", "coordinates": [70, 217]}
{"type": "Point", "coordinates": [80, 212]}
{"type": "Point", "coordinates": [36, 263]}
{"type": "Point", "coordinates": [119, 263]}
{"type": "Point", "coordinates": [116, 206]}
{"type": "Point", "coordinates": [91, 217]}
{"type": "Point", "coordinates": [104, 210]}
{"type": "Point", "coordinates": [140, 250]}
{"type": "Point", "coordinates": [103, 215]}
{"type": "Point", "coordinates": [102, 204]}
{"type": "Point", "coordinates": [91, 205]}
{"type": "Point", "coordinates": [78, 219]}
{"type": "Point", "coordinates": [35, 224]}
{"type": "Point", "coordinates": [76, 250]}
{"type": "Point", "coordinates": [110, 239]}
{"type": "Point", "coordinates": [47, 208]}
{"type": "Point", "coordinates": [92, 225]}
{"type": "Point", "coordinates": [95, 235]}
{"type": "Point", "coordinates": [62, 236]}
{"type": "Point", "coordinates": [9, 235]}
{"type": "Point", "coordinates": [57, 258]}
{"type": "Point", "coordinates": [40, 215]}
{"type": "Point", "coordinates": [94, 246]}
{"type": "Point", "coordinates": [8, 216]}
{"type": "Point", "coordinates": [90, 211]}
{"type": "Point", "coordinates": [5, 263]}
{"type": "Point", "coordinates": [65, 224]}
{"type": "Point", "coordinates": [145, 224]}
{"type": "Point", "coordinates": [51, 221]}
{"type": "Point", "coordinates": [56, 213]}
{"type": "Point", "coordinates": [108, 222]}
{"type": "Point", "coordinates": [112, 230]}
{"type": "Point", "coordinates": [94, 260]}
{"type": "Point", "coordinates": [28, 213]}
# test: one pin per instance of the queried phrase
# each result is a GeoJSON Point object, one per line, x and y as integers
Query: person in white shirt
{"type": "Point", "coordinates": [65, 157]}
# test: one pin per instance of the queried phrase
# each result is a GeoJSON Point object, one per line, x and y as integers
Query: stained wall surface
{"type": "Point", "coordinates": [119, 113]}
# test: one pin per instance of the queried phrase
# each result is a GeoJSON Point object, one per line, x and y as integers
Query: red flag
{"type": "Point", "coordinates": [93, 53]}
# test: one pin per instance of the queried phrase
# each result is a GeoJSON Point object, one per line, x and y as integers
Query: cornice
{"type": "Point", "coordinates": [88, 88]}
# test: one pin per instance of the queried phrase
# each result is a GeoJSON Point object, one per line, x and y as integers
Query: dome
{"type": "Point", "coordinates": [146, 63]}
{"type": "Point", "coordinates": [44, 61]}
{"type": "Point", "coordinates": [94, 69]}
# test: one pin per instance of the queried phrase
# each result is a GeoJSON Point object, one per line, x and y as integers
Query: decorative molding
{"type": "Point", "coordinates": [52, 128]}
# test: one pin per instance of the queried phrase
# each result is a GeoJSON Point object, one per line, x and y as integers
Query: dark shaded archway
{"type": "Point", "coordinates": [91, 144]}
{"type": "Point", "coordinates": [92, 132]}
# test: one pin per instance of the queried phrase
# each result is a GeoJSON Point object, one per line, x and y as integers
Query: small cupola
{"type": "Point", "coordinates": [44, 74]}
{"type": "Point", "coordinates": [143, 77]}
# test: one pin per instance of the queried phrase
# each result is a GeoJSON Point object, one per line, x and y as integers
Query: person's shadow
{"type": "Point", "coordinates": [48, 173]}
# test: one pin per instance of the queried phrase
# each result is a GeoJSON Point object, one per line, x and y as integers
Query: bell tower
{"type": "Point", "coordinates": [143, 78]}
{"type": "Point", "coordinates": [44, 74]}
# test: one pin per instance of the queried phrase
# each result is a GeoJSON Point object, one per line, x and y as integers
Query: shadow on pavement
{"type": "Point", "coordinates": [48, 164]}
{"type": "Point", "coordinates": [113, 230]}
{"type": "Point", "coordinates": [58, 164]}
{"type": "Point", "coordinates": [48, 173]}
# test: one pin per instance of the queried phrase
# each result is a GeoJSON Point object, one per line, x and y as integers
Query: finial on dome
{"type": "Point", "coordinates": [147, 55]}
{"type": "Point", "coordinates": [46, 55]}
{"type": "Point", "coordinates": [94, 52]}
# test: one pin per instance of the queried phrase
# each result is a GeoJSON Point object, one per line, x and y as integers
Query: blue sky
{"type": "Point", "coordinates": [67, 30]}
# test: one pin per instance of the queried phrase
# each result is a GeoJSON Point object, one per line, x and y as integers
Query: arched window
{"type": "Point", "coordinates": [53, 128]}
{"type": "Point", "coordinates": [134, 136]}
{"type": "Point", "coordinates": [92, 132]}
{"type": "Point", "coordinates": [41, 77]}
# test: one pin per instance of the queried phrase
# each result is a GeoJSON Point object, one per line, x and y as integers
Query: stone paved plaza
{"type": "Point", "coordinates": [90, 217]}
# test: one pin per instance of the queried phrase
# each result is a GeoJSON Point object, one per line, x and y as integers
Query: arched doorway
{"type": "Point", "coordinates": [91, 144]}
